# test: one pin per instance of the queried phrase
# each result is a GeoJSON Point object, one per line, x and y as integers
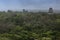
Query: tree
{"type": "Point", "coordinates": [9, 11]}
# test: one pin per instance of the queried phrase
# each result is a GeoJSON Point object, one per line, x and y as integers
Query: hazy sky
{"type": "Point", "coordinates": [29, 4]}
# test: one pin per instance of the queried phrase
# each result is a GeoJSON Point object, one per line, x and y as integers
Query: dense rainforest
{"type": "Point", "coordinates": [29, 26]}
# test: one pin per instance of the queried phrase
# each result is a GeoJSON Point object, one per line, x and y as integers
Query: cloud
{"type": "Point", "coordinates": [38, 4]}
{"type": "Point", "coordinates": [28, 4]}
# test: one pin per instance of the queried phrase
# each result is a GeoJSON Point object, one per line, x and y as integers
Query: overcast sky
{"type": "Point", "coordinates": [29, 4]}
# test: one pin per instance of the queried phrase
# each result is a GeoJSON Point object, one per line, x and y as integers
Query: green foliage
{"type": "Point", "coordinates": [29, 26]}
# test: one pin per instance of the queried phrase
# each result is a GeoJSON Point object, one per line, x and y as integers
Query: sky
{"type": "Point", "coordinates": [29, 4]}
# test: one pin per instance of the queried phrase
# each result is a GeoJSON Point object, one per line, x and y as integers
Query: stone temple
{"type": "Point", "coordinates": [50, 10]}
